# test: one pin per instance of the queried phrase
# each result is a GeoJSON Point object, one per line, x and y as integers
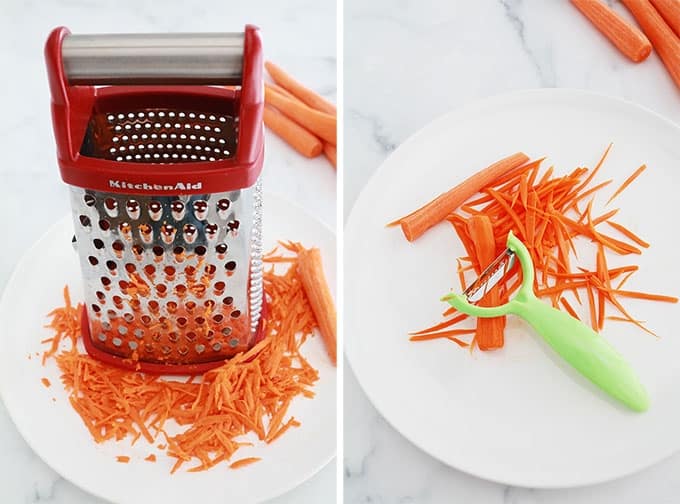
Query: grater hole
{"type": "Point", "coordinates": [200, 250]}
{"type": "Point", "coordinates": [106, 281]}
{"type": "Point", "coordinates": [228, 300]}
{"type": "Point", "coordinates": [180, 290]}
{"type": "Point", "coordinates": [173, 337]}
{"type": "Point", "coordinates": [100, 295]}
{"type": "Point", "coordinates": [233, 342]}
{"type": "Point", "coordinates": [223, 205]}
{"type": "Point", "coordinates": [101, 337]}
{"type": "Point", "coordinates": [161, 290]}
{"type": "Point", "coordinates": [190, 306]}
{"type": "Point", "coordinates": [154, 306]}
{"type": "Point", "coordinates": [128, 317]}
{"type": "Point", "coordinates": [218, 318]}
{"type": "Point", "coordinates": [146, 232]}
{"type": "Point", "coordinates": [211, 231]}
{"type": "Point", "coordinates": [146, 320]}
{"type": "Point", "coordinates": [139, 333]}
{"type": "Point", "coordinates": [181, 321]}
{"type": "Point", "coordinates": [236, 314]}
{"type": "Point", "coordinates": [199, 320]}
{"type": "Point", "coordinates": [168, 233]}
{"type": "Point", "coordinates": [93, 260]}
{"type": "Point", "coordinates": [158, 251]}
{"type": "Point", "coordinates": [138, 250]}
{"type": "Point", "coordinates": [217, 346]}
{"type": "Point", "coordinates": [123, 286]}
{"type": "Point", "coordinates": [182, 351]}
{"type": "Point", "coordinates": [200, 208]}
{"type": "Point", "coordinates": [111, 207]}
{"type": "Point", "coordinates": [190, 335]}
{"type": "Point", "coordinates": [122, 330]}
{"type": "Point", "coordinates": [226, 331]}
{"type": "Point", "coordinates": [209, 335]}
{"type": "Point", "coordinates": [85, 221]}
{"type": "Point", "coordinates": [106, 326]}
{"type": "Point", "coordinates": [118, 247]}
{"type": "Point", "coordinates": [135, 304]}
{"type": "Point", "coordinates": [117, 341]}
{"type": "Point", "coordinates": [230, 266]}
{"type": "Point", "coordinates": [179, 253]}
{"type": "Point", "coordinates": [112, 314]}
{"type": "Point", "coordinates": [130, 268]}
{"type": "Point", "coordinates": [117, 300]}
{"type": "Point", "coordinates": [95, 308]}
{"type": "Point", "coordinates": [210, 270]}
{"type": "Point", "coordinates": [104, 225]}
{"type": "Point", "coordinates": [150, 270]}
{"type": "Point", "coordinates": [125, 230]}
{"type": "Point", "coordinates": [133, 345]}
{"type": "Point", "coordinates": [209, 304]}
{"type": "Point", "coordinates": [219, 287]}
{"type": "Point", "coordinates": [111, 265]}
{"type": "Point", "coordinates": [155, 210]}
{"type": "Point", "coordinates": [171, 306]}
{"type": "Point", "coordinates": [169, 272]}
{"type": "Point", "coordinates": [133, 209]}
{"type": "Point", "coordinates": [89, 200]}
{"type": "Point", "coordinates": [233, 225]}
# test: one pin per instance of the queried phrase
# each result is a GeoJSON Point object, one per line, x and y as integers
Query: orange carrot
{"type": "Point", "coordinates": [123, 459]}
{"type": "Point", "coordinates": [304, 94]}
{"type": "Point", "coordinates": [319, 123]}
{"type": "Point", "coordinates": [319, 295]}
{"type": "Point", "coordinates": [489, 334]}
{"type": "Point", "coordinates": [331, 153]}
{"type": "Point", "coordinates": [569, 308]}
{"type": "Point", "coordinates": [150, 458]}
{"type": "Point", "coordinates": [416, 223]}
{"type": "Point", "coordinates": [292, 133]}
{"type": "Point", "coordinates": [627, 182]}
{"type": "Point", "coordinates": [670, 11]}
{"type": "Point", "coordinates": [627, 38]}
{"type": "Point", "coordinates": [278, 89]}
{"type": "Point", "coordinates": [244, 462]}
{"type": "Point", "coordinates": [664, 41]}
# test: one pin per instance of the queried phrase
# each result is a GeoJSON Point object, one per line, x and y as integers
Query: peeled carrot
{"type": "Point", "coordinates": [627, 38]}
{"type": "Point", "coordinates": [319, 123]}
{"type": "Point", "coordinates": [670, 11]}
{"type": "Point", "coordinates": [280, 90]}
{"type": "Point", "coordinates": [301, 92]}
{"type": "Point", "coordinates": [665, 42]}
{"type": "Point", "coordinates": [314, 282]}
{"type": "Point", "coordinates": [489, 334]}
{"type": "Point", "coordinates": [416, 223]}
{"type": "Point", "coordinates": [292, 133]}
{"type": "Point", "coordinates": [331, 153]}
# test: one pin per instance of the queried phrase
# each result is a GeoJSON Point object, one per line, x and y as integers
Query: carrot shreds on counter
{"type": "Point", "coordinates": [123, 459]}
{"type": "Point", "coordinates": [244, 462]}
{"type": "Point", "coordinates": [150, 458]}
{"type": "Point", "coordinates": [201, 419]}
{"type": "Point", "coordinates": [46, 382]}
{"type": "Point", "coordinates": [546, 212]}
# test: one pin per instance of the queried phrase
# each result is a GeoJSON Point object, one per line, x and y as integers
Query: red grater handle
{"type": "Point", "coordinates": [73, 103]}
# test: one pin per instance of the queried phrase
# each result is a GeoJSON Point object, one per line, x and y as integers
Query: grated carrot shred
{"type": "Point", "coordinates": [250, 393]}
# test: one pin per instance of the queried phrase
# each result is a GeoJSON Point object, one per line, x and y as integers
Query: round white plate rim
{"type": "Point", "coordinates": [352, 223]}
{"type": "Point", "coordinates": [82, 483]}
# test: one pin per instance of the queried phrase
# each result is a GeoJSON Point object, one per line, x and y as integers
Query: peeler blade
{"type": "Point", "coordinates": [493, 274]}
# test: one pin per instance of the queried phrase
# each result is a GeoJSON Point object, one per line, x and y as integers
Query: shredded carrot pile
{"type": "Point", "coordinates": [250, 393]}
{"type": "Point", "coordinates": [548, 212]}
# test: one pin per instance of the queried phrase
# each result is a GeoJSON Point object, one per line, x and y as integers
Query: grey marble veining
{"type": "Point", "coordinates": [299, 35]}
{"type": "Point", "coordinates": [406, 63]}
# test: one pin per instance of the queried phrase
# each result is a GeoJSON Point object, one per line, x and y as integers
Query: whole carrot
{"type": "Point", "coordinates": [331, 153]}
{"type": "Point", "coordinates": [416, 223]}
{"type": "Point", "coordinates": [670, 11]}
{"type": "Point", "coordinates": [304, 94]}
{"type": "Point", "coordinates": [665, 42]}
{"type": "Point", "coordinates": [321, 124]}
{"type": "Point", "coordinates": [292, 133]}
{"type": "Point", "coordinates": [319, 295]}
{"type": "Point", "coordinates": [628, 39]}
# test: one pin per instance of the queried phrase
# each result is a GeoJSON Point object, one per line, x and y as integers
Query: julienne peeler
{"type": "Point", "coordinates": [585, 350]}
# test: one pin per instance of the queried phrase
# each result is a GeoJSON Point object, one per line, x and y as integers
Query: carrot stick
{"type": "Point", "coordinates": [304, 94]}
{"type": "Point", "coordinates": [627, 38]}
{"type": "Point", "coordinates": [569, 308]}
{"type": "Point", "coordinates": [670, 11]}
{"type": "Point", "coordinates": [664, 41]}
{"type": "Point", "coordinates": [331, 153]}
{"type": "Point", "coordinates": [627, 182]}
{"type": "Point", "coordinates": [292, 133]}
{"type": "Point", "coordinates": [416, 223]}
{"type": "Point", "coordinates": [628, 233]}
{"type": "Point", "coordinates": [123, 459]}
{"type": "Point", "coordinates": [319, 295]}
{"type": "Point", "coordinates": [321, 124]}
{"type": "Point", "coordinates": [489, 334]}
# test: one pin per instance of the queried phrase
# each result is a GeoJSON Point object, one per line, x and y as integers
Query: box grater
{"type": "Point", "coordinates": [160, 139]}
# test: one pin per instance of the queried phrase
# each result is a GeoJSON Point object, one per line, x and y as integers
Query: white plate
{"type": "Point", "coordinates": [516, 415]}
{"type": "Point", "coordinates": [56, 433]}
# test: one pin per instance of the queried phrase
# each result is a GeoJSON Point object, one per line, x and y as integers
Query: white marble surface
{"type": "Point", "coordinates": [298, 34]}
{"type": "Point", "coordinates": [407, 62]}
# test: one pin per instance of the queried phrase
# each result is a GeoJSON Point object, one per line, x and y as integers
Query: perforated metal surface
{"type": "Point", "coordinates": [174, 279]}
{"type": "Point", "coordinates": [161, 135]}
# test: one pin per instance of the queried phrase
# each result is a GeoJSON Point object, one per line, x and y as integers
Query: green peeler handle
{"type": "Point", "coordinates": [588, 352]}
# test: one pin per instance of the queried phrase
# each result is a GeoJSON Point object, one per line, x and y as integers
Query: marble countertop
{"type": "Point", "coordinates": [34, 196]}
{"type": "Point", "coordinates": [407, 62]}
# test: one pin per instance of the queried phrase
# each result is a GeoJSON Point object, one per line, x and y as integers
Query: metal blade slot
{"type": "Point", "coordinates": [490, 277]}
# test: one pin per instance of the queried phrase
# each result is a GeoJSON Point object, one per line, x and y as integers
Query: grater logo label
{"type": "Point", "coordinates": [179, 186]}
